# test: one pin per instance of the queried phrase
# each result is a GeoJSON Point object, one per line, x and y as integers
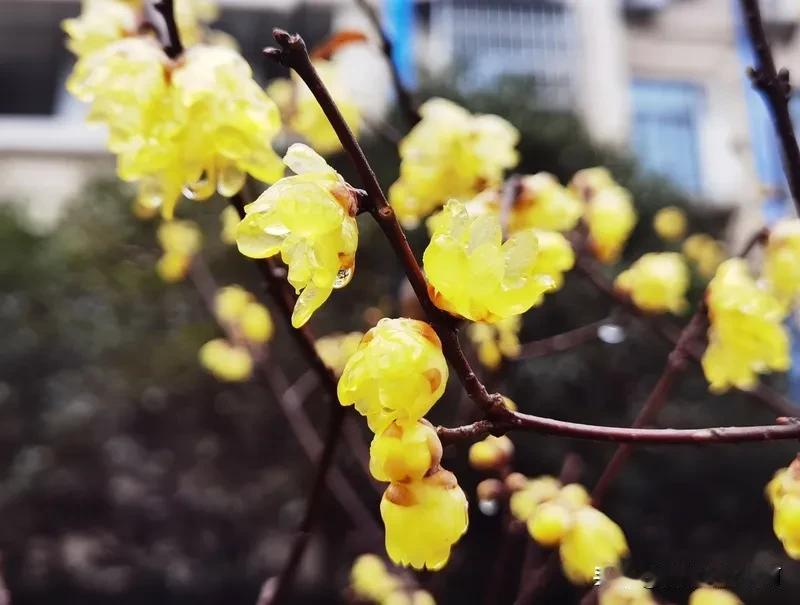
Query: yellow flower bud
{"type": "Point", "coordinates": [309, 219]}
{"type": "Point", "coordinates": [705, 252]}
{"type": "Point", "coordinates": [544, 204]}
{"type": "Point", "coordinates": [407, 597]}
{"type": "Point", "coordinates": [473, 274]}
{"type": "Point", "coordinates": [256, 323]}
{"type": "Point", "coordinates": [173, 267]}
{"type": "Point", "coordinates": [495, 341]}
{"type": "Point", "coordinates": [370, 580]}
{"type": "Point", "coordinates": [610, 217]}
{"type": "Point", "coordinates": [226, 361]}
{"type": "Point", "coordinates": [230, 303]}
{"type": "Point", "coordinates": [490, 489]}
{"type": "Point", "coordinates": [747, 336]}
{"type": "Point", "coordinates": [708, 595]}
{"type": "Point", "coordinates": [549, 523]}
{"type": "Point", "coordinates": [782, 259]}
{"type": "Point", "coordinates": [180, 237]}
{"type": "Point", "coordinates": [669, 223]}
{"type": "Point", "coordinates": [450, 153]}
{"type": "Point", "coordinates": [230, 223]}
{"type": "Point", "coordinates": [587, 182]}
{"type": "Point", "coordinates": [397, 373]}
{"type": "Point", "coordinates": [404, 453]}
{"type": "Point", "coordinates": [625, 591]}
{"type": "Point", "coordinates": [491, 453]}
{"type": "Point", "coordinates": [524, 502]}
{"type": "Point", "coordinates": [657, 282]}
{"type": "Point", "coordinates": [423, 520]}
{"type": "Point", "coordinates": [593, 541]}
{"type": "Point", "coordinates": [574, 495]}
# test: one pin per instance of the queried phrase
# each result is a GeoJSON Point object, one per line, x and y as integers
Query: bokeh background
{"type": "Point", "coordinates": [129, 475]}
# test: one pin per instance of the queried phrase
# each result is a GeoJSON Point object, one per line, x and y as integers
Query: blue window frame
{"type": "Point", "coordinates": [665, 135]}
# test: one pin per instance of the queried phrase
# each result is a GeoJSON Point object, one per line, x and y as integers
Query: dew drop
{"type": "Point", "coordinates": [612, 334]}
{"type": "Point", "coordinates": [649, 580]}
{"type": "Point", "coordinates": [488, 507]}
{"type": "Point", "coordinates": [343, 277]}
{"type": "Point", "coordinates": [201, 189]}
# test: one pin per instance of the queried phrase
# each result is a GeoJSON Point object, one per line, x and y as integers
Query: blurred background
{"type": "Point", "coordinates": [128, 474]}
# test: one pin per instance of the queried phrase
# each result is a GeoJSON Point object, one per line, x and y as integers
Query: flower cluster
{"type": "Point", "coordinates": [450, 153]}
{"type": "Point", "coordinates": [303, 114]}
{"type": "Point", "coordinates": [395, 376]}
{"type": "Point", "coordinates": [247, 323]}
{"type": "Point", "coordinates": [783, 492]}
{"type": "Point", "coordinates": [308, 218]}
{"type": "Point", "coordinates": [180, 241]}
{"type": "Point", "coordinates": [669, 223]}
{"type": "Point", "coordinates": [193, 125]}
{"type": "Point", "coordinates": [496, 341]}
{"type": "Point", "coordinates": [657, 282]}
{"type": "Point", "coordinates": [561, 516]}
{"type": "Point", "coordinates": [372, 582]}
{"type": "Point", "coordinates": [472, 273]}
{"type": "Point", "coordinates": [609, 215]}
{"type": "Point", "coordinates": [782, 260]}
{"type": "Point", "coordinates": [747, 336]}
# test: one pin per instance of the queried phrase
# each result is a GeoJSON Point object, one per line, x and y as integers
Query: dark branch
{"type": "Point", "coordinates": [293, 54]}
{"type": "Point", "coordinates": [776, 91]}
{"type": "Point", "coordinates": [404, 99]}
{"type": "Point", "coordinates": [562, 342]}
{"type": "Point", "coordinates": [173, 45]}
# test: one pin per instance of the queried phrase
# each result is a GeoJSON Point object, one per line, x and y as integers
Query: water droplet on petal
{"type": "Point", "coordinates": [201, 189]}
{"type": "Point", "coordinates": [230, 180]}
{"type": "Point", "coordinates": [612, 334]}
{"type": "Point", "coordinates": [343, 277]}
{"type": "Point", "coordinates": [649, 580]}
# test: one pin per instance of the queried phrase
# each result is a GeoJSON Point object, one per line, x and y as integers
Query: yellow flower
{"type": "Point", "coordinates": [657, 282]}
{"type": "Point", "coordinates": [180, 241]}
{"type": "Point", "coordinates": [403, 453]}
{"type": "Point", "coordinates": [406, 597]}
{"type": "Point", "coordinates": [549, 523]}
{"type": "Point", "coordinates": [782, 259]}
{"type": "Point", "coordinates": [226, 361]}
{"type": "Point", "coordinates": [238, 308]}
{"type": "Point", "coordinates": [747, 336]}
{"type": "Point", "coordinates": [524, 502]}
{"type": "Point", "coordinates": [670, 223]}
{"type": "Point", "coordinates": [611, 218]}
{"type": "Point", "coordinates": [100, 23]}
{"type": "Point", "coordinates": [423, 520]}
{"type": "Point", "coordinates": [491, 453]}
{"type": "Point", "coordinates": [593, 541]}
{"type": "Point", "coordinates": [708, 595]}
{"type": "Point", "coordinates": [309, 219]}
{"type": "Point", "coordinates": [397, 373]}
{"type": "Point", "coordinates": [303, 113]}
{"type": "Point", "coordinates": [230, 223]}
{"type": "Point", "coordinates": [196, 125]}
{"type": "Point", "coordinates": [336, 349]}
{"type": "Point", "coordinates": [475, 275]}
{"type": "Point", "coordinates": [625, 591]}
{"type": "Point", "coordinates": [588, 182]}
{"type": "Point", "coordinates": [555, 256]}
{"type": "Point", "coordinates": [543, 203]}
{"type": "Point", "coordinates": [705, 252]}
{"type": "Point", "coordinates": [495, 341]}
{"type": "Point", "coordinates": [450, 153]}
{"type": "Point", "coordinates": [574, 495]}
{"type": "Point", "coordinates": [783, 492]}
{"type": "Point", "coordinates": [370, 580]}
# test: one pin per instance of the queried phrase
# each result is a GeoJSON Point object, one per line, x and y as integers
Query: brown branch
{"type": "Point", "coordinates": [776, 91]}
{"type": "Point", "coordinates": [404, 100]}
{"type": "Point", "coordinates": [172, 45]}
{"type": "Point", "coordinates": [293, 54]}
{"type": "Point", "coordinates": [561, 342]}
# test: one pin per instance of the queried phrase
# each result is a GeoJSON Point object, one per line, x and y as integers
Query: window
{"type": "Point", "coordinates": [536, 39]}
{"type": "Point", "coordinates": [665, 130]}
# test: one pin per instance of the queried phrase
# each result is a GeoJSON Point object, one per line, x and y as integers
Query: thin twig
{"type": "Point", "coordinates": [777, 91]}
{"type": "Point", "coordinates": [404, 99]}
{"type": "Point", "coordinates": [563, 341]}
{"type": "Point", "coordinates": [173, 45]}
